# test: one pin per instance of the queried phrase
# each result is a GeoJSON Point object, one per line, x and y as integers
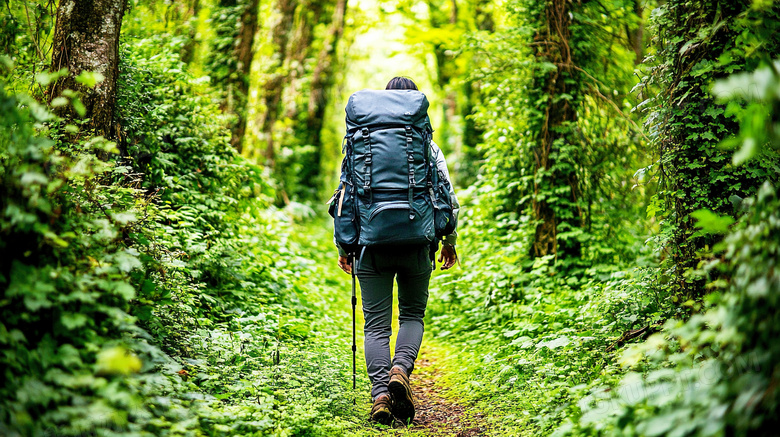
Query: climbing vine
{"type": "Point", "coordinates": [696, 43]}
{"type": "Point", "coordinates": [556, 136]}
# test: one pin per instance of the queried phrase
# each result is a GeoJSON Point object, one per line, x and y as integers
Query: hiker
{"type": "Point", "coordinates": [410, 265]}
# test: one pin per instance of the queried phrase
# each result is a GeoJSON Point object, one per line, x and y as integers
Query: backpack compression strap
{"type": "Point", "coordinates": [368, 160]}
{"type": "Point", "coordinates": [410, 159]}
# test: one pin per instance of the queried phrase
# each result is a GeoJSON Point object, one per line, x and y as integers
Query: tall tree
{"type": "Point", "coordinates": [448, 33]}
{"type": "Point", "coordinates": [273, 88]}
{"type": "Point", "coordinates": [86, 39]}
{"type": "Point", "coordinates": [467, 167]}
{"type": "Point", "coordinates": [321, 84]}
{"type": "Point", "coordinates": [304, 38]}
{"type": "Point", "coordinates": [636, 32]}
{"type": "Point", "coordinates": [190, 29]}
{"type": "Point", "coordinates": [555, 143]}
{"type": "Point", "coordinates": [557, 86]}
{"type": "Point", "coordinates": [231, 60]}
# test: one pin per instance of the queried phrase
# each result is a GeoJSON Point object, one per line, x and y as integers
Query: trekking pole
{"type": "Point", "coordinates": [354, 347]}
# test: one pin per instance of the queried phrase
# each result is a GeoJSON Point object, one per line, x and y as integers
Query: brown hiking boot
{"type": "Point", "coordinates": [380, 411]}
{"type": "Point", "coordinates": [401, 391]}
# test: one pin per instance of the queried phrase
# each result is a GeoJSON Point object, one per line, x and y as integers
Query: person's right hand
{"type": "Point", "coordinates": [345, 264]}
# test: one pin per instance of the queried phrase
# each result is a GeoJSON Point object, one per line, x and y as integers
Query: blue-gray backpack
{"type": "Point", "coordinates": [390, 192]}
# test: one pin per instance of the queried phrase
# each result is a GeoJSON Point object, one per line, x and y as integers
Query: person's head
{"type": "Point", "coordinates": [401, 83]}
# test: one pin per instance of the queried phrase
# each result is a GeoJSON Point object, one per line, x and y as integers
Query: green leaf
{"type": "Point", "coordinates": [59, 101]}
{"type": "Point", "coordinates": [749, 149]}
{"type": "Point", "coordinates": [659, 425]}
{"type": "Point", "coordinates": [117, 361]}
{"type": "Point", "coordinates": [34, 178]}
{"type": "Point", "coordinates": [47, 77]}
{"type": "Point", "coordinates": [6, 62]}
{"type": "Point", "coordinates": [711, 223]}
{"type": "Point", "coordinates": [81, 110]}
{"type": "Point", "coordinates": [90, 78]}
{"type": "Point", "coordinates": [125, 290]}
{"type": "Point", "coordinates": [73, 320]}
{"type": "Point", "coordinates": [124, 217]}
{"type": "Point", "coordinates": [126, 261]}
{"type": "Point", "coordinates": [554, 344]}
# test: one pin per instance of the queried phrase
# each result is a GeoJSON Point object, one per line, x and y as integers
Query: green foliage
{"type": "Point", "coordinates": [525, 363]}
{"type": "Point", "coordinates": [696, 43]}
{"type": "Point", "coordinates": [64, 274]}
{"type": "Point", "coordinates": [150, 287]}
{"type": "Point", "coordinates": [177, 238]}
{"type": "Point", "coordinates": [758, 127]}
{"type": "Point", "coordinates": [712, 374]}
{"type": "Point", "coordinates": [26, 30]}
{"type": "Point", "coordinates": [593, 153]}
{"type": "Point", "coordinates": [550, 346]}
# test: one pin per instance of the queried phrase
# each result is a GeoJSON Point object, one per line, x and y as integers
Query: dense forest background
{"type": "Point", "coordinates": [167, 267]}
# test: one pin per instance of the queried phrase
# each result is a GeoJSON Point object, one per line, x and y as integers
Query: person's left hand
{"type": "Point", "coordinates": [448, 257]}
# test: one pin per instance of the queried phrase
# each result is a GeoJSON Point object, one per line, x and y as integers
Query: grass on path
{"type": "Point", "coordinates": [286, 369]}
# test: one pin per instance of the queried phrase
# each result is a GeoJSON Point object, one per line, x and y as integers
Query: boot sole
{"type": "Point", "coordinates": [403, 406]}
{"type": "Point", "coordinates": [382, 417]}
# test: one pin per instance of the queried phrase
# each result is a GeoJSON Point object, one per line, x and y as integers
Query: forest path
{"type": "Point", "coordinates": [438, 412]}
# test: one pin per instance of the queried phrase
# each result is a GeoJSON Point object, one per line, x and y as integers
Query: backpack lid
{"type": "Point", "coordinates": [377, 107]}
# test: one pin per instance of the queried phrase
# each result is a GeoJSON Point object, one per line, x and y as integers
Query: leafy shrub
{"type": "Point", "coordinates": [64, 277]}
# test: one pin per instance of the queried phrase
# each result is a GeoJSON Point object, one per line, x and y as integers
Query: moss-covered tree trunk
{"type": "Point", "coordinates": [274, 86]}
{"type": "Point", "coordinates": [321, 84]}
{"type": "Point", "coordinates": [86, 39]}
{"type": "Point", "coordinates": [699, 42]}
{"type": "Point", "coordinates": [636, 33]}
{"type": "Point", "coordinates": [467, 167]}
{"type": "Point", "coordinates": [190, 24]}
{"type": "Point", "coordinates": [236, 23]}
{"type": "Point", "coordinates": [444, 17]}
{"type": "Point", "coordinates": [555, 187]}
{"type": "Point", "coordinates": [243, 53]}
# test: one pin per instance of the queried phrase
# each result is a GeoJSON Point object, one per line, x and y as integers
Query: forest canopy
{"type": "Point", "coordinates": [167, 265]}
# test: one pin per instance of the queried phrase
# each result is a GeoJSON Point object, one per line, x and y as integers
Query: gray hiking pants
{"type": "Point", "coordinates": [411, 268]}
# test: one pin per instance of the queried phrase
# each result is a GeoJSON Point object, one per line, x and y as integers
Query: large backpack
{"type": "Point", "coordinates": [390, 189]}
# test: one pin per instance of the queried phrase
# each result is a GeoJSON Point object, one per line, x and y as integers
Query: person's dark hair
{"type": "Point", "coordinates": [401, 83]}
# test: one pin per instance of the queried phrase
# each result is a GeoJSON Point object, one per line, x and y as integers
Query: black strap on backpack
{"type": "Point", "coordinates": [368, 161]}
{"type": "Point", "coordinates": [410, 160]}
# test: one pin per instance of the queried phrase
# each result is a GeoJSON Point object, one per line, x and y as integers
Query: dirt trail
{"type": "Point", "coordinates": [437, 414]}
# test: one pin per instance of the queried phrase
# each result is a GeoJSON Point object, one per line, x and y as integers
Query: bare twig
{"type": "Point", "coordinates": [32, 35]}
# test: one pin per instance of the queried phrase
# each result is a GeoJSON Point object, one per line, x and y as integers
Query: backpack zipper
{"type": "Point", "coordinates": [391, 205]}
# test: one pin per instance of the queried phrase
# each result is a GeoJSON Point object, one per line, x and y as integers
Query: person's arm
{"type": "Point", "coordinates": [441, 165]}
{"type": "Point", "coordinates": [448, 256]}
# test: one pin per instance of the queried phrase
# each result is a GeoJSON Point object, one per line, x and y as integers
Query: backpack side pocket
{"type": "Point", "coordinates": [444, 221]}
{"type": "Point", "coordinates": [345, 220]}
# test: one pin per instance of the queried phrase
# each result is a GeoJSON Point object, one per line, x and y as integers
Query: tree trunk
{"type": "Point", "coordinates": [243, 53]}
{"type": "Point", "coordinates": [467, 167]}
{"type": "Point", "coordinates": [321, 83]}
{"type": "Point", "coordinates": [446, 68]}
{"type": "Point", "coordinates": [275, 85]}
{"type": "Point", "coordinates": [191, 25]}
{"type": "Point", "coordinates": [86, 38]}
{"type": "Point", "coordinates": [553, 42]}
{"type": "Point", "coordinates": [636, 35]}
